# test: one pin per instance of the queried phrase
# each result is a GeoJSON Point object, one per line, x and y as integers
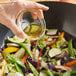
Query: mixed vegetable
{"type": "Point", "coordinates": [52, 55]}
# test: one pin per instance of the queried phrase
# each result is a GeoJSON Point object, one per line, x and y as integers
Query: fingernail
{"type": "Point", "coordinates": [47, 8]}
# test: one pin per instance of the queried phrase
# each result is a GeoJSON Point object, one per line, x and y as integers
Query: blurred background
{"type": "Point", "coordinates": [69, 1]}
{"type": "Point", "coordinates": [34, 0]}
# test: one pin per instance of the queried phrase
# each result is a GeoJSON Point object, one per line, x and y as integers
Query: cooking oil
{"type": "Point", "coordinates": [34, 30]}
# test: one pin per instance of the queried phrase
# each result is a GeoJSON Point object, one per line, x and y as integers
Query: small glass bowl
{"type": "Point", "coordinates": [25, 19]}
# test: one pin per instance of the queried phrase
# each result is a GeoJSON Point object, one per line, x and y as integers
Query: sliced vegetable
{"type": "Point", "coordinates": [54, 51]}
{"type": "Point", "coordinates": [61, 36]}
{"type": "Point", "coordinates": [11, 67]}
{"type": "Point", "coordinates": [42, 44]}
{"type": "Point", "coordinates": [20, 53]}
{"type": "Point", "coordinates": [67, 73]}
{"type": "Point", "coordinates": [45, 37]}
{"type": "Point", "coordinates": [33, 69]}
{"type": "Point", "coordinates": [43, 74]}
{"type": "Point", "coordinates": [53, 46]}
{"type": "Point", "coordinates": [58, 43]}
{"type": "Point", "coordinates": [26, 49]}
{"type": "Point", "coordinates": [30, 74]}
{"type": "Point", "coordinates": [54, 37]}
{"type": "Point", "coordinates": [0, 54]}
{"type": "Point", "coordinates": [44, 65]}
{"type": "Point", "coordinates": [24, 59]}
{"type": "Point", "coordinates": [18, 69]}
{"type": "Point", "coordinates": [14, 60]}
{"type": "Point", "coordinates": [68, 68]}
{"type": "Point", "coordinates": [60, 67]}
{"type": "Point", "coordinates": [49, 39]}
{"type": "Point", "coordinates": [10, 49]}
{"type": "Point", "coordinates": [71, 50]}
{"type": "Point", "coordinates": [63, 53]}
{"type": "Point", "coordinates": [12, 44]}
{"type": "Point", "coordinates": [24, 46]}
{"type": "Point", "coordinates": [51, 32]}
{"type": "Point", "coordinates": [54, 60]}
{"type": "Point", "coordinates": [51, 55]}
{"type": "Point", "coordinates": [71, 63]}
{"type": "Point", "coordinates": [46, 52]}
{"type": "Point", "coordinates": [15, 74]}
{"type": "Point", "coordinates": [48, 72]}
{"type": "Point", "coordinates": [35, 53]}
{"type": "Point", "coordinates": [58, 62]}
{"type": "Point", "coordinates": [49, 43]}
{"type": "Point", "coordinates": [39, 60]}
{"type": "Point", "coordinates": [16, 39]}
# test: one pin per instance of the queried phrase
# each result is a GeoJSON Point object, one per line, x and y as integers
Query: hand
{"type": "Point", "coordinates": [10, 10]}
{"type": "Point", "coordinates": [69, 1]}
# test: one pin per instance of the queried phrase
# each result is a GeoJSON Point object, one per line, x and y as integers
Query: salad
{"type": "Point", "coordinates": [52, 55]}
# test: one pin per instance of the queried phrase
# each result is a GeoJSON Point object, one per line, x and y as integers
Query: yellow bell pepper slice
{"type": "Point", "coordinates": [61, 35]}
{"type": "Point", "coordinates": [53, 46]}
{"type": "Point", "coordinates": [10, 49]}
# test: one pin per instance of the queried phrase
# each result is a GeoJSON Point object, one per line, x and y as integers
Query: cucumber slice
{"type": "Point", "coordinates": [15, 74]}
{"type": "Point", "coordinates": [54, 51]}
{"type": "Point", "coordinates": [43, 74]}
{"type": "Point", "coordinates": [16, 39]}
{"type": "Point", "coordinates": [51, 31]}
{"type": "Point", "coordinates": [20, 53]}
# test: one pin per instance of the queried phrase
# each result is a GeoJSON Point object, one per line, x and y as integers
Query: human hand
{"type": "Point", "coordinates": [10, 10]}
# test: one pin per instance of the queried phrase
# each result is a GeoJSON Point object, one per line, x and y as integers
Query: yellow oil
{"type": "Point", "coordinates": [33, 30]}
